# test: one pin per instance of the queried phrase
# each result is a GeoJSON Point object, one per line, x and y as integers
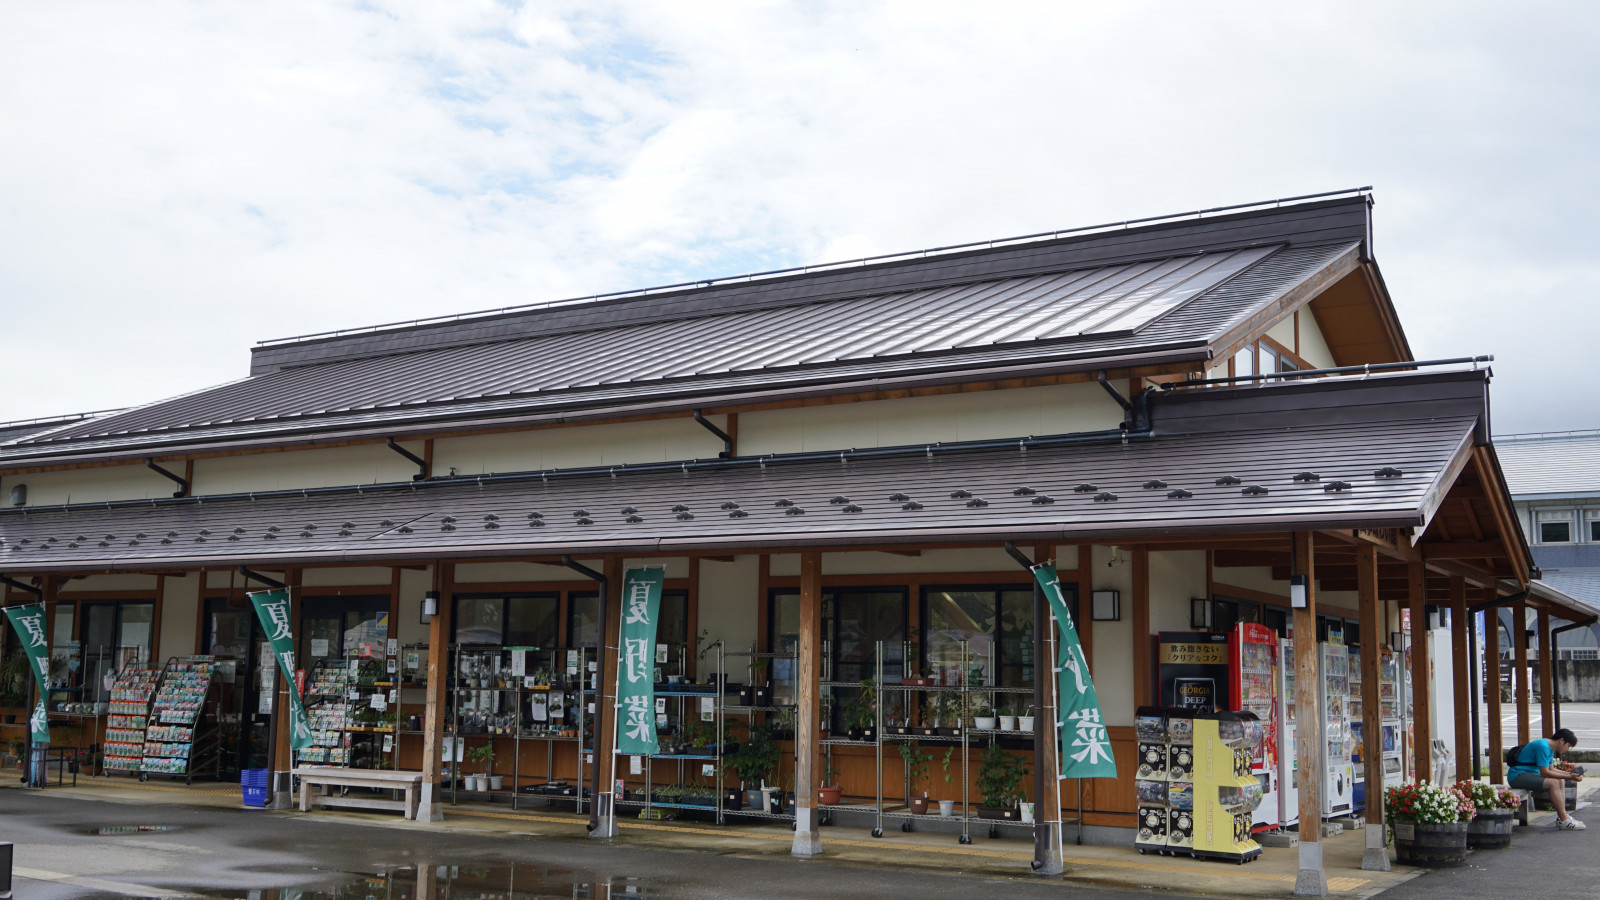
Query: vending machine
{"type": "Point", "coordinates": [1358, 744]}
{"type": "Point", "coordinates": [1253, 654]}
{"type": "Point", "coordinates": [1288, 786]}
{"type": "Point", "coordinates": [1337, 795]}
{"type": "Point", "coordinates": [1390, 742]}
{"type": "Point", "coordinates": [1225, 793]}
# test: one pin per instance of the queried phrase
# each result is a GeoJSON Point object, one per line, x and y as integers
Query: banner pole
{"type": "Point", "coordinates": [1055, 723]}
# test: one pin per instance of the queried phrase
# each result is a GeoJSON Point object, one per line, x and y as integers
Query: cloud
{"type": "Point", "coordinates": [179, 180]}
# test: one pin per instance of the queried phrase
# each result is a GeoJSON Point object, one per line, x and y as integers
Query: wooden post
{"type": "Point", "coordinates": [1519, 653]}
{"type": "Point", "coordinates": [605, 707]}
{"type": "Point", "coordinates": [1491, 686]}
{"type": "Point", "coordinates": [1376, 856]}
{"type": "Point", "coordinates": [1422, 717]}
{"type": "Point", "coordinates": [1547, 677]}
{"type": "Point", "coordinates": [1142, 695]}
{"type": "Point", "coordinates": [807, 833]}
{"type": "Point", "coordinates": [1466, 766]}
{"type": "Point", "coordinates": [430, 806]}
{"type": "Point", "coordinates": [1312, 878]}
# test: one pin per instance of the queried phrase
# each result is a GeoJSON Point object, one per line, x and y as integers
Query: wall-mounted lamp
{"type": "Point", "coordinates": [1105, 606]}
{"type": "Point", "coordinates": [1199, 612]}
{"type": "Point", "coordinates": [430, 606]}
{"type": "Point", "coordinates": [1298, 590]}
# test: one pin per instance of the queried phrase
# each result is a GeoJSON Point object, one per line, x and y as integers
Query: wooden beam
{"type": "Point", "coordinates": [1491, 688]}
{"type": "Point", "coordinates": [431, 806]}
{"type": "Point", "coordinates": [1308, 739]}
{"type": "Point", "coordinates": [1142, 695]}
{"type": "Point", "coordinates": [1547, 684]}
{"type": "Point", "coordinates": [1421, 736]}
{"type": "Point", "coordinates": [1519, 654]}
{"type": "Point", "coordinates": [807, 766]}
{"type": "Point", "coordinates": [1376, 855]}
{"type": "Point", "coordinates": [1465, 765]}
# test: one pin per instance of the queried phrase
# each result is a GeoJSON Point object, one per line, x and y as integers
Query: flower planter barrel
{"type": "Point", "coordinates": [1491, 829]}
{"type": "Point", "coordinates": [1432, 845]}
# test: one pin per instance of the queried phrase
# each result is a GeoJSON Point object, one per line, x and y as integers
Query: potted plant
{"type": "Point", "coordinates": [757, 756]}
{"type": "Point", "coordinates": [1496, 814]}
{"type": "Point", "coordinates": [911, 672]}
{"type": "Point", "coordinates": [825, 719]}
{"type": "Point", "coordinates": [916, 770]}
{"type": "Point", "coordinates": [1429, 823]}
{"type": "Point", "coordinates": [1008, 719]}
{"type": "Point", "coordinates": [983, 717]}
{"type": "Point", "coordinates": [1000, 777]}
{"type": "Point", "coordinates": [1025, 720]}
{"type": "Point", "coordinates": [947, 716]}
{"type": "Point", "coordinates": [483, 756]}
{"type": "Point", "coordinates": [947, 808]}
{"type": "Point", "coordinates": [830, 791]}
{"type": "Point", "coordinates": [861, 715]}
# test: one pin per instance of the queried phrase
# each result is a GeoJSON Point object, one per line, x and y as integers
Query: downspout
{"type": "Point", "coordinates": [1041, 829]}
{"type": "Point", "coordinates": [599, 704]}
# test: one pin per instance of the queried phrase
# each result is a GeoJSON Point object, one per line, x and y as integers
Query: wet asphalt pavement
{"type": "Point", "coordinates": [239, 853]}
{"type": "Point", "coordinates": [207, 851]}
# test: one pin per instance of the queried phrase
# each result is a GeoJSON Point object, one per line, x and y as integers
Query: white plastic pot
{"type": "Point", "coordinates": [480, 783]}
{"type": "Point", "coordinates": [1008, 723]}
{"type": "Point", "coordinates": [947, 808]}
{"type": "Point", "coordinates": [983, 723]}
{"type": "Point", "coordinates": [497, 782]}
{"type": "Point", "coordinates": [1024, 723]}
{"type": "Point", "coordinates": [1027, 813]}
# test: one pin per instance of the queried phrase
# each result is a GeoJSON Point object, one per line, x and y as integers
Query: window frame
{"type": "Point", "coordinates": [1069, 591]}
{"type": "Point", "coordinates": [505, 598]}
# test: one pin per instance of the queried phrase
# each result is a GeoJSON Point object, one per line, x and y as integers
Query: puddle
{"type": "Point", "coordinates": [133, 829]}
{"type": "Point", "coordinates": [488, 882]}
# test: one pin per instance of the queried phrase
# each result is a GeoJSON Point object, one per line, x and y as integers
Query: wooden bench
{"type": "Point", "coordinates": [328, 777]}
{"type": "Point", "coordinates": [1525, 804]}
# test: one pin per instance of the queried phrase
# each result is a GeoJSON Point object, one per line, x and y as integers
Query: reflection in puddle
{"type": "Point", "coordinates": [134, 829]}
{"type": "Point", "coordinates": [471, 883]}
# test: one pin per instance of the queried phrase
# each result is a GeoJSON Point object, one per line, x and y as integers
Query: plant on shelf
{"type": "Point", "coordinates": [861, 714]}
{"type": "Point", "coordinates": [983, 717]}
{"type": "Point", "coordinates": [916, 770]}
{"type": "Point", "coordinates": [911, 669]}
{"type": "Point", "coordinates": [757, 756]}
{"type": "Point", "coordinates": [14, 684]}
{"type": "Point", "coordinates": [482, 756]}
{"type": "Point", "coordinates": [701, 734]}
{"type": "Point", "coordinates": [830, 790]}
{"type": "Point", "coordinates": [1000, 777]}
{"type": "Point", "coordinates": [825, 706]}
{"type": "Point", "coordinates": [946, 710]}
{"type": "Point", "coordinates": [947, 806]}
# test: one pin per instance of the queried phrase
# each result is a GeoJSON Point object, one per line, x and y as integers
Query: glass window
{"type": "Point", "coordinates": [854, 620]}
{"type": "Point", "coordinates": [996, 623]}
{"type": "Point", "coordinates": [583, 620]}
{"type": "Point", "coordinates": [1555, 527]}
{"type": "Point", "coordinates": [1593, 518]}
{"type": "Point", "coordinates": [1269, 360]}
{"type": "Point", "coordinates": [479, 619]}
{"type": "Point", "coordinates": [1244, 362]}
{"type": "Point", "coordinates": [531, 621]}
{"type": "Point", "coordinates": [366, 633]}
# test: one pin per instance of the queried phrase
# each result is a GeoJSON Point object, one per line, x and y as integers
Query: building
{"type": "Point", "coordinates": [826, 461]}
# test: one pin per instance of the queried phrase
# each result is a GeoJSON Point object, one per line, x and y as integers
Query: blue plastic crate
{"type": "Point", "coordinates": [253, 782]}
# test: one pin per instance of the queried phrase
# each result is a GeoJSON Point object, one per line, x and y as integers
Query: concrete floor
{"type": "Point", "coordinates": [223, 850]}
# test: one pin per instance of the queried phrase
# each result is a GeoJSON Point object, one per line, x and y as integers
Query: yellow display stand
{"type": "Point", "coordinates": [1225, 791]}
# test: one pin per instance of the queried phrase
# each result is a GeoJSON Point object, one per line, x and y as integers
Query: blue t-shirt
{"type": "Point", "coordinates": [1535, 755]}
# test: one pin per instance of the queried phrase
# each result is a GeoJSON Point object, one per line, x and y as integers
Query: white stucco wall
{"type": "Point", "coordinates": [1053, 409]}
{"type": "Point", "coordinates": [578, 446]}
{"type": "Point", "coordinates": [413, 583]}
{"type": "Point", "coordinates": [98, 485]}
{"type": "Point", "coordinates": [1113, 641]}
{"type": "Point", "coordinates": [729, 599]}
{"type": "Point", "coordinates": [180, 616]}
{"type": "Point", "coordinates": [365, 576]}
{"type": "Point", "coordinates": [112, 582]}
{"type": "Point", "coordinates": [1313, 346]}
{"type": "Point", "coordinates": [874, 562]}
{"type": "Point", "coordinates": [333, 466]}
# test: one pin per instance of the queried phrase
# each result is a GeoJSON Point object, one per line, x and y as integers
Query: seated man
{"type": "Point", "coordinates": [1535, 769]}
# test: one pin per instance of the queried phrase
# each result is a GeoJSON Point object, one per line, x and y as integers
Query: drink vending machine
{"type": "Point", "coordinates": [1358, 744]}
{"type": "Point", "coordinates": [1390, 742]}
{"type": "Point", "coordinates": [1253, 656]}
{"type": "Point", "coordinates": [1338, 794]}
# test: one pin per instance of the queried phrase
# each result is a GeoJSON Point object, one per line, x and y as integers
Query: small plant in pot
{"type": "Point", "coordinates": [830, 791]}
{"type": "Point", "coordinates": [825, 718]}
{"type": "Point", "coordinates": [1008, 720]}
{"type": "Point", "coordinates": [756, 758]}
{"type": "Point", "coordinates": [1491, 827]}
{"type": "Point", "coordinates": [762, 695]}
{"type": "Point", "coordinates": [483, 756]}
{"type": "Point", "coordinates": [861, 715]}
{"type": "Point", "coordinates": [1000, 777]}
{"type": "Point", "coordinates": [1025, 720]}
{"type": "Point", "coordinates": [983, 717]}
{"type": "Point", "coordinates": [916, 770]}
{"type": "Point", "coordinates": [947, 713]}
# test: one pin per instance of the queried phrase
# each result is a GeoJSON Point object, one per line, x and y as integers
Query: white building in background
{"type": "Point", "coordinates": [1554, 478]}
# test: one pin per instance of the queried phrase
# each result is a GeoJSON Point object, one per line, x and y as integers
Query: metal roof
{"type": "Point", "coordinates": [1562, 463]}
{"type": "Point", "coordinates": [1080, 316]}
{"type": "Point", "coordinates": [1228, 459]}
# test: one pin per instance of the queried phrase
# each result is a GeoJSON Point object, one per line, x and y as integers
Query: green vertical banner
{"type": "Point", "coordinates": [1083, 744]}
{"type": "Point", "coordinates": [636, 686]}
{"type": "Point", "coordinates": [272, 608]}
{"type": "Point", "coordinates": [29, 623]}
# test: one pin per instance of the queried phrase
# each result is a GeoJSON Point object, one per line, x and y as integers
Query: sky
{"type": "Point", "coordinates": [181, 180]}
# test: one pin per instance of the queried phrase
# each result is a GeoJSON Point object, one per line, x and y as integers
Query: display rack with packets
{"type": "Point", "coordinates": [128, 717]}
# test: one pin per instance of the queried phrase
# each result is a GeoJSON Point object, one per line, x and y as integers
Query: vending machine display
{"type": "Point", "coordinates": [1254, 689]}
{"type": "Point", "coordinates": [1358, 772]}
{"type": "Point", "coordinates": [1225, 792]}
{"type": "Point", "coordinates": [1337, 794]}
{"type": "Point", "coordinates": [1391, 721]}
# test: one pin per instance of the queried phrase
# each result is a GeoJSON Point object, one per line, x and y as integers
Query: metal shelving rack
{"type": "Point", "coordinates": [754, 657]}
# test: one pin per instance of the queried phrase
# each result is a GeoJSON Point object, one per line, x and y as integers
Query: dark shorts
{"type": "Point", "coordinates": [1528, 781]}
